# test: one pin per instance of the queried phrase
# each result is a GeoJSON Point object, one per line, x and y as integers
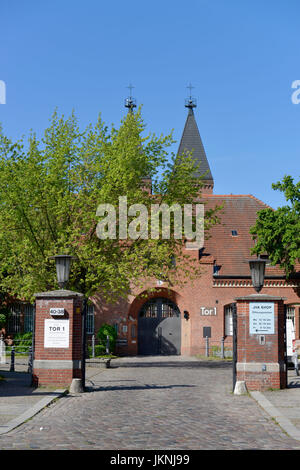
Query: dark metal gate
{"type": "Point", "coordinates": [159, 328]}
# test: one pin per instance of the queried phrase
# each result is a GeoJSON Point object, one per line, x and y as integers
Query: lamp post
{"type": "Point", "coordinates": [257, 269]}
{"type": "Point", "coordinates": [63, 264]}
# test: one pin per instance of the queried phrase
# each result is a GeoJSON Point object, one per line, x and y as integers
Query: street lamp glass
{"type": "Point", "coordinates": [257, 268]}
{"type": "Point", "coordinates": [63, 263]}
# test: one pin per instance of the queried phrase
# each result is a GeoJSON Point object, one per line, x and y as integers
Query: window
{"type": "Point", "coordinates": [216, 269]}
{"type": "Point", "coordinates": [167, 310]}
{"type": "Point", "coordinates": [150, 311]}
{"type": "Point", "coordinates": [234, 233]}
{"type": "Point", "coordinates": [159, 308]}
{"type": "Point", "coordinates": [90, 315]}
{"type": "Point", "coordinates": [14, 319]}
{"type": "Point", "coordinates": [228, 320]}
{"type": "Point", "coordinates": [290, 313]}
{"type": "Point", "coordinates": [28, 318]}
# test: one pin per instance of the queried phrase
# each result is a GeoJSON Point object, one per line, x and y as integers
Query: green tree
{"type": "Point", "coordinates": [49, 193]}
{"type": "Point", "coordinates": [104, 331]}
{"type": "Point", "coordinates": [277, 232]}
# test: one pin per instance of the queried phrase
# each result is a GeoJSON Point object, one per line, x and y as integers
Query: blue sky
{"type": "Point", "coordinates": [241, 56]}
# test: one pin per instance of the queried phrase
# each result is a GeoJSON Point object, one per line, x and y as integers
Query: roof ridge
{"type": "Point", "coordinates": [238, 195]}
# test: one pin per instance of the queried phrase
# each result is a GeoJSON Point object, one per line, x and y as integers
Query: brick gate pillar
{"type": "Point", "coordinates": [260, 342]}
{"type": "Point", "coordinates": [58, 338]}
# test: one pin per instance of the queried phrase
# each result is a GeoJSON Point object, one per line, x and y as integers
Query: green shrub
{"type": "Point", "coordinates": [2, 320]}
{"type": "Point", "coordinates": [23, 339]}
{"type": "Point", "coordinates": [100, 350]}
{"type": "Point", "coordinates": [107, 330]}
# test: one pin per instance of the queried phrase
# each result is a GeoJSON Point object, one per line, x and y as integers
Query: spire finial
{"type": "Point", "coordinates": [130, 102]}
{"type": "Point", "coordinates": [190, 102]}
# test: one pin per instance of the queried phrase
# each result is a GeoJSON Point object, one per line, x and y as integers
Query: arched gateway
{"type": "Point", "coordinates": [159, 328]}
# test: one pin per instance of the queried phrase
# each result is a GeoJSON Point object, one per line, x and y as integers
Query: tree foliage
{"type": "Point", "coordinates": [49, 193]}
{"type": "Point", "coordinates": [277, 232]}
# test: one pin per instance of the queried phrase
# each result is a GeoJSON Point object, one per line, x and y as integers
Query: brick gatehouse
{"type": "Point", "coordinates": [176, 320]}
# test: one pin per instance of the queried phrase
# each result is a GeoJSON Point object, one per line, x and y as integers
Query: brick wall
{"type": "Point", "coordinates": [199, 293]}
{"type": "Point", "coordinates": [49, 362]}
{"type": "Point", "coordinates": [261, 366]}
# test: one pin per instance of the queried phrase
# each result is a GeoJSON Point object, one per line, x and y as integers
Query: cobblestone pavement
{"type": "Point", "coordinates": [168, 405]}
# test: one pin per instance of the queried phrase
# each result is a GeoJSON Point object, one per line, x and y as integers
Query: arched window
{"type": "Point", "coordinates": [159, 307]}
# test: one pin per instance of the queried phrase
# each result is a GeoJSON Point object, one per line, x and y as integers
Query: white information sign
{"type": "Point", "coordinates": [261, 318]}
{"type": "Point", "coordinates": [56, 334]}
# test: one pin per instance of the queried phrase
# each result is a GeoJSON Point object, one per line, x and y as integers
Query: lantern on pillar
{"type": "Point", "coordinates": [63, 264]}
{"type": "Point", "coordinates": [257, 269]}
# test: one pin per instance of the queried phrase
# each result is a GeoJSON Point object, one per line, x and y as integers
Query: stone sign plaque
{"type": "Point", "coordinates": [56, 334]}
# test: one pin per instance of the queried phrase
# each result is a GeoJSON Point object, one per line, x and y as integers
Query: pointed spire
{"type": "Point", "coordinates": [130, 102]}
{"type": "Point", "coordinates": [191, 142]}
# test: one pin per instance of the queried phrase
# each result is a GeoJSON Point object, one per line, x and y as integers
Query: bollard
{"type": "Point", "coordinates": [30, 360]}
{"type": "Point", "coordinates": [93, 346]}
{"type": "Point", "coordinates": [2, 351]}
{"type": "Point", "coordinates": [222, 348]}
{"type": "Point", "coordinates": [206, 346]}
{"type": "Point", "coordinates": [76, 386]}
{"type": "Point", "coordinates": [12, 359]}
{"type": "Point", "coordinates": [240, 388]}
{"type": "Point", "coordinates": [295, 361]}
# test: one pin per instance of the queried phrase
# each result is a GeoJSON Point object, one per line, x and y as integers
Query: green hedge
{"type": "Point", "coordinates": [22, 342]}
{"type": "Point", "coordinates": [99, 350]}
{"type": "Point", "coordinates": [23, 339]}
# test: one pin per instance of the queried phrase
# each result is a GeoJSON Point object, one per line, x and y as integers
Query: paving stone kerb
{"type": "Point", "coordinates": [58, 361]}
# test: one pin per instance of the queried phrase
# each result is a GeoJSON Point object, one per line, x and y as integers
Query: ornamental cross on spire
{"type": "Point", "coordinates": [130, 87]}
{"type": "Point", "coordinates": [190, 87]}
{"type": "Point", "coordinates": [190, 102]}
{"type": "Point", "coordinates": [130, 102]}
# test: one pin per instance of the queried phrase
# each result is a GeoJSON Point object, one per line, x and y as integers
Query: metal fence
{"type": "Point", "coordinates": [210, 349]}
{"type": "Point", "coordinates": [95, 348]}
{"type": "Point", "coordinates": [20, 352]}
{"type": "Point", "coordinates": [217, 350]}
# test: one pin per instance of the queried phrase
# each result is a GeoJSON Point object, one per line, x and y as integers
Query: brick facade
{"type": "Point", "coordinates": [58, 365]}
{"type": "Point", "coordinates": [224, 265]}
{"type": "Point", "coordinates": [225, 272]}
{"type": "Point", "coordinates": [261, 366]}
{"type": "Point", "coordinates": [207, 291]}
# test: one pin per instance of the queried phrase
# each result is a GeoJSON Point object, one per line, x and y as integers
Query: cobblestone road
{"type": "Point", "coordinates": [164, 406]}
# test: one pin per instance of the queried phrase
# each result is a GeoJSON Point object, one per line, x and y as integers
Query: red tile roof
{"type": "Point", "coordinates": [230, 252]}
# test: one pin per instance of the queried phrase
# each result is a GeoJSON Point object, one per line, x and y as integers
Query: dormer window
{"type": "Point", "coordinates": [216, 269]}
{"type": "Point", "coordinates": [234, 233]}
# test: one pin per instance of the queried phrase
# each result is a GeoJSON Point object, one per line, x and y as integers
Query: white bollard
{"type": "Point", "coordinates": [76, 386]}
{"type": "Point", "coordinates": [240, 388]}
{"type": "Point", "coordinates": [2, 352]}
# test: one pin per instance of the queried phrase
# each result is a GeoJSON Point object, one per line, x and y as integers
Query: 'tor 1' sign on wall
{"type": "Point", "coordinates": [208, 311]}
